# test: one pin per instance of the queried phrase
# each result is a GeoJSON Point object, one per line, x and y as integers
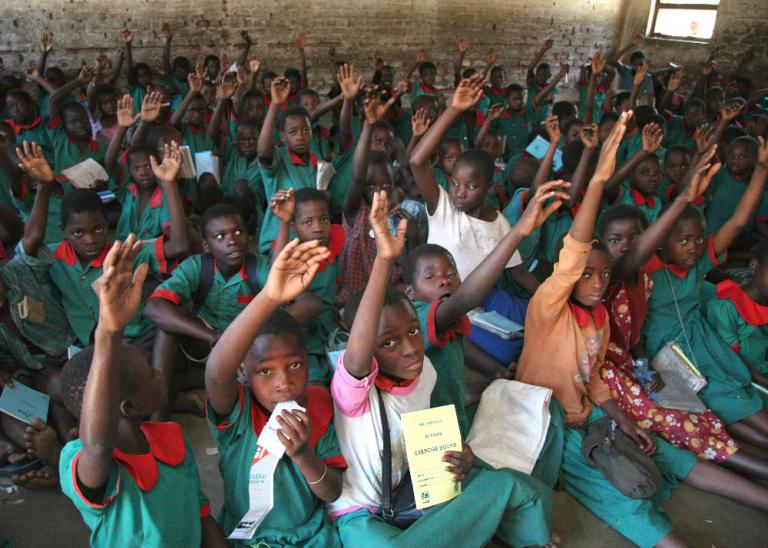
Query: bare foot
{"type": "Point", "coordinates": [42, 443]}
{"type": "Point", "coordinates": [45, 478]}
{"type": "Point", "coordinates": [188, 402]}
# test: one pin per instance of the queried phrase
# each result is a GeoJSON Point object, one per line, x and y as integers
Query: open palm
{"type": "Point", "coordinates": [294, 269]}
{"type": "Point", "coordinates": [119, 287]}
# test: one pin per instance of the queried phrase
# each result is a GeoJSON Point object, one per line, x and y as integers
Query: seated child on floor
{"type": "Point", "coordinates": [129, 478]}
{"type": "Point", "coordinates": [266, 346]}
{"type": "Point", "coordinates": [384, 364]}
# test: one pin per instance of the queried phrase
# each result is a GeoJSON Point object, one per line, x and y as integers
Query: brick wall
{"type": "Point", "coordinates": [395, 29]}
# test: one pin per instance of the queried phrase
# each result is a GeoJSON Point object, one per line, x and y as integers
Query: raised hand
{"type": "Point", "coordinates": [700, 176]}
{"type": "Point", "coordinates": [730, 111]}
{"type": "Point", "coordinates": [675, 80]}
{"type": "Point", "coordinates": [150, 107]}
{"type": "Point", "coordinates": [495, 112]}
{"type": "Point", "coordinates": [388, 247]}
{"type": "Point", "coordinates": [127, 36]}
{"type": "Point", "coordinates": [606, 164]}
{"type": "Point", "coordinates": [246, 37]}
{"type": "Point", "coordinates": [46, 42]}
{"type": "Point", "coordinates": [350, 86]}
{"type": "Point", "coordinates": [402, 87]}
{"type": "Point", "coordinates": [762, 152]}
{"type": "Point", "coordinates": [704, 135]}
{"type": "Point", "coordinates": [468, 92]}
{"type": "Point", "coordinates": [463, 45]}
{"type": "Point", "coordinates": [167, 30]}
{"type": "Point", "coordinates": [168, 170]}
{"type": "Point", "coordinates": [420, 123]}
{"type": "Point", "coordinates": [200, 69]}
{"type": "Point", "coordinates": [421, 56]}
{"type": "Point", "coordinates": [254, 63]}
{"type": "Point", "coordinates": [589, 137]}
{"type": "Point", "coordinates": [195, 82]}
{"type": "Point", "coordinates": [32, 73]}
{"type": "Point", "coordinates": [564, 68]}
{"type": "Point", "coordinates": [652, 137]}
{"type": "Point", "coordinates": [241, 75]}
{"type": "Point", "coordinates": [119, 287]}
{"type": "Point", "coordinates": [223, 66]}
{"type": "Point", "coordinates": [708, 68]}
{"type": "Point", "coordinates": [293, 270]}
{"type": "Point", "coordinates": [552, 125]}
{"type": "Point", "coordinates": [283, 204]}
{"type": "Point", "coordinates": [548, 43]}
{"type": "Point", "coordinates": [637, 39]}
{"type": "Point", "coordinates": [640, 75]}
{"type": "Point", "coordinates": [598, 62]}
{"type": "Point", "coordinates": [280, 90]}
{"type": "Point", "coordinates": [537, 212]}
{"type": "Point", "coordinates": [490, 57]}
{"type": "Point", "coordinates": [226, 89]}
{"type": "Point", "coordinates": [373, 108]}
{"type": "Point", "coordinates": [86, 74]}
{"type": "Point", "coordinates": [125, 115]}
{"type": "Point", "coordinates": [33, 163]}
{"type": "Point", "coordinates": [301, 40]}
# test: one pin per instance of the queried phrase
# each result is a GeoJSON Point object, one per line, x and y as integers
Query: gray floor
{"type": "Point", "coordinates": [41, 519]}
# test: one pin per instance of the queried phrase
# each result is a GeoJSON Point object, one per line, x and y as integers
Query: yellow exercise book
{"type": "Point", "coordinates": [428, 435]}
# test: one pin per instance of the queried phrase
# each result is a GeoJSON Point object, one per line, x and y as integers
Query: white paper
{"type": "Point", "coordinates": [187, 163]}
{"type": "Point", "coordinates": [325, 172]}
{"type": "Point", "coordinates": [511, 425]}
{"type": "Point", "coordinates": [207, 162]}
{"type": "Point", "coordinates": [268, 438]}
{"type": "Point", "coordinates": [86, 174]}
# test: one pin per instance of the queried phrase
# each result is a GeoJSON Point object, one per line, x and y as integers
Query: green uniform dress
{"type": "Point", "coordinates": [539, 112]}
{"type": "Point", "coordinates": [75, 283]}
{"type": "Point", "coordinates": [649, 205]}
{"type": "Point", "coordinates": [138, 94]}
{"type": "Point", "coordinates": [742, 324]}
{"type": "Point", "coordinates": [66, 152]}
{"type": "Point", "coordinates": [496, 96]}
{"type": "Point", "coordinates": [677, 134]}
{"type": "Point", "coordinates": [298, 517]}
{"type": "Point", "coordinates": [225, 299]}
{"type": "Point", "coordinates": [723, 196]}
{"type": "Point", "coordinates": [150, 224]}
{"type": "Point", "coordinates": [196, 138]}
{"type": "Point", "coordinates": [515, 127]}
{"type": "Point", "coordinates": [553, 231]}
{"type": "Point", "coordinates": [420, 89]}
{"type": "Point", "coordinates": [529, 247]}
{"type": "Point", "coordinates": [728, 392]}
{"type": "Point", "coordinates": [23, 204]}
{"type": "Point", "coordinates": [36, 132]}
{"type": "Point", "coordinates": [597, 113]}
{"type": "Point", "coordinates": [151, 500]}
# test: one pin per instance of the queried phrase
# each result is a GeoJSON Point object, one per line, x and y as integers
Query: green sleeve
{"type": "Point", "coordinates": [183, 283]}
{"type": "Point", "coordinates": [722, 315]}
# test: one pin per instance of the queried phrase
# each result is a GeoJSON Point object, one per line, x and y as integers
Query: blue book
{"type": "Point", "coordinates": [538, 149]}
{"type": "Point", "coordinates": [24, 403]}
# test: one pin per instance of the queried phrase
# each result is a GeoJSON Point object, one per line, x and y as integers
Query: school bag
{"type": "Point", "coordinates": [208, 271]}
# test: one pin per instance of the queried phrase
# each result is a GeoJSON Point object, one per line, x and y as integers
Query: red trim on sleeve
{"type": "Point", "coordinates": [240, 402]}
{"type": "Point", "coordinates": [653, 264]}
{"type": "Point", "coordinates": [205, 511]}
{"type": "Point", "coordinates": [76, 485]}
{"type": "Point", "coordinates": [712, 254]}
{"type": "Point", "coordinates": [160, 256]}
{"type": "Point", "coordinates": [244, 299]}
{"type": "Point", "coordinates": [337, 461]}
{"type": "Point", "coordinates": [54, 123]}
{"type": "Point", "coordinates": [736, 347]}
{"type": "Point", "coordinates": [167, 295]}
{"type": "Point", "coordinates": [461, 327]}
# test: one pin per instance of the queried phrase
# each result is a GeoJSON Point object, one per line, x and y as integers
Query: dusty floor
{"type": "Point", "coordinates": [40, 519]}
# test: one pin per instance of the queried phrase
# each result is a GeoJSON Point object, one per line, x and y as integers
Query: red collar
{"type": "Point", "coordinates": [428, 89]}
{"type": "Point", "coordinates": [387, 384]}
{"type": "Point", "coordinates": [641, 199]}
{"type": "Point", "coordinates": [243, 268]}
{"type": "Point", "coordinates": [200, 130]}
{"type": "Point", "coordinates": [655, 263]}
{"type": "Point", "coordinates": [18, 127]}
{"type": "Point", "coordinates": [65, 253]}
{"type": "Point", "coordinates": [155, 201]}
{"type": "Point", "coordinates": [671, 191]}
{"type": "Point", "coordinates": [750, 311]}
{"type": "Point", "coordinates": [493, 90]}
{"type": "Point", "coordinates": [297, 161]}
{"type": "Point", "coordinates": [3, 254]}
{"type": "Point", "coordinates": [628, 135]}
{"type": "Point", "coordinates": [735, 177]}
{"type": "Point", "coordinates": [93, 146]}
{"type": "Point", "coordinates": [583, 314]}
{"type": "Point", "coordinates": [166, 444]}
{"type": "Point", "coordinates": [336, 240]}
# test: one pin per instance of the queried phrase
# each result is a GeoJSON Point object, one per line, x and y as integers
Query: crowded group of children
{"type": "Point", "coordinates": [379, 215]}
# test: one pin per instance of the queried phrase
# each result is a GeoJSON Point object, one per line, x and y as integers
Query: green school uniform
{"type": "Point", "coordinates": [153, 219]}
{"type": "Point", "coordinates": [446, 353]}
{"type": "Point", "coordinates": [75, 283]}
{"type": "Point", "coordinates": [237, 167]}
{"type": "Point", "coordinates": [649, 205]}
{"type": "Point", "coordinates": [529, 247]}
{"type": "Point", "coordinates": [420, 89]}
{"type": "Point", "coordinates": [631, 143]}
{"type": "Point", "coordinates": [182, 88]}
{"type": "Point", "coordinates": [33, 132]}
{"type": "Point", "coordinates": [458, 130]}
{"type": "Point", "coordinates": [643, 521]}
{"type": "Point", "coordinates": [495, 96]}
{"type": "Point", "coordinates": [225, 299]}
{"type": "Point", "coordinates": [6, 193]}
{"type": "Point", "coordinates": [443, 179]}
{"type": "Point", "coordinates": [66, 152]}
{"type": "Point", "coordinates": [597, 113]}
{"type": "Point", "coordinates": [677, 134]}
{"type": "Point", "coordinates": [23, 204]}
{"type": "Point", "coordinates": [515, 126]}
{"type": "Point", "coordinates": [553, 231]}
{"type": "Point", "coordinates": [196, 138]}
{"type": "Point", "coordinates": [298, 517]}
{"type": "Point", "coordinates": [742, 324]}
{"type": "Point", "coordinates": [402, 126]}
{"type": "Point", "coordinates": [321, 144]}
{"type": "Point", "coordinates": [723, 196]}
{"type": "Point", "coordinates": [138, 95]}
{"type": "Point", "coordinates": [139, 509]}
{"type": "Point", "coordinates": [540, 112]}
{"type": "Point", "coordinates": [728, 392]}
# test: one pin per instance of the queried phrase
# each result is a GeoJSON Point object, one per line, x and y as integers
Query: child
{"type": "Point", "coordinates": [384, 362]}
{"type": "Point", "coordinates": [306, 213]}
{"type": "Point", "coordinates": [537, 77]}
{"type": "Point", "coordinates": [449, 151]}
{"type": "Point", "coordinates": [740, 316]}
{"type": "Point", "coordinates": [80, 257]}
{"type": "Point", "coordinates": [26, 122]}
{"type": "Point", "coordinates": [129, 478]}
{"type": "Point", "coordinates": [514, 122]}
{"type": "Point", "coordinates": [675, 165]}
{"type": "Point", "coordinates": [674, 310]}
{"type": "Point", "coordinates": [102, 106]}
{"type": "Point", "coordinates": [566, 313]}
{"type": "Point", "coordinates": [681, 130]}
{"type": "Point", "coordinates": [197, 303]}
{"type": "Point", "coordinates": [461, 221]}
{"type": "Point", "coordinates": [425, 85]}
{"type": "Point", "coordinates": [139, 75]}
{"type": "Point", "coordinates": [190, 118]}
{"type": "Point", "coordinates": [267, 346]}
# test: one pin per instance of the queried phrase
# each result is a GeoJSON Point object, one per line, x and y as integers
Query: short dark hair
{"type": "Point", "coordinates": [695, 102]}
{"type": "Point", "coordinates": [620, 212]}
{"type": "Point", "coordinates": [677, 149]}
{"type": "Point", "coordinates": [215, 212]}
{"type": "Point", "coordinates": [382, 124]}
{"type": "Point", "coordinates": [690, 213]}
{"type": "Point", "coordinates": [413, 258]}
{"type": "Point", "coordinates": [182, 63]}
{"type": "Point", "coordinates": [304, 195]}
{"type": "Point", "coordinates": [654, 118]}
{"type": "Point", "coordinates": [448, 141]}
{"type": "Point", "coordinates": [391, 296]}
{"type": "Point", "coordinates": [72, 106]}
{"type": "Point", "coordinates": [292, 73]}
{"type": "Point", "coordinates": [426, 65]}
{"type": "Point", "coordinates": [253, 123]}
{"type": "Point", "coordinates": [280, 322]}
{"type": "Point", "coordinates": [421, 102]}
{"type": "Point", "coordinates": [572, 122]}
{"type": "Point", "coordinates": [308, 92]}
{"type": "Point", "coordinates": [80, 200]}
{"type": "Point", "coordinates": [511, 88]}
{"type": "Point", "coordinates": [637, 55]}
{"type": "Point", "coordinates": [292, 110]}
{"type": "Point", "coordinates": [608, 117]}
{"type": "Point", "coordinates": [563, 108]}
{"type": "Point", "coordinates": [21, 95]}
{"type": "Point", "coordinates": [136, 150]}
{"type": "Point", "coordinates": [748, 142]}
{"type": "Point", "coordinates": [480, 161]}
{"type": "Point", "coordinates": [572, 156]}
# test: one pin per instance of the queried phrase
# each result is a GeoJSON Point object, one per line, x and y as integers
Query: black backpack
{"type": "Point", "coordinates": [207, 272]}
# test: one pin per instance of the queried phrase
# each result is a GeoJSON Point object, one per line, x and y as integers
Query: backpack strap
{"type": "Point", "coordinates": [252, 269]}
{"type": "Point", "coordinates": [204, 284]}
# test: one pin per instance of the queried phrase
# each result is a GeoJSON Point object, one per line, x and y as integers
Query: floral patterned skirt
{"type": "Point", "coordinates": [702, 433]}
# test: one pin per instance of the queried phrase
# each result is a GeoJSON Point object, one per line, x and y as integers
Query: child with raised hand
{"type": "Point", "coordinates": [190, 115]}
{"type": "Point", "coordinates": [425, 84]}
{"type": "Point", "coordinates": [566, 313]}
{"type": "Point", "coordinates": [674, 310]}
{"type": "Point", "coordinates": [541, 85]}
{"type": "Point", "coordinates": [385, 359]}
{"type": "Point", "coordinates": [134, 482]}
{"type": "Point", "coordinates": [139, 74]}
{"type": "Point", "coordinates": [460, 220]}
{"type": "Point", "coordinates": [265, 344]}
{"type": "Point", "coordinates": [675, 166]}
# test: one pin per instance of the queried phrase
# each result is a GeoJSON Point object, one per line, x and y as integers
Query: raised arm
{"type": "Point", "coordinates": [493, 114]}
{"type": "Point", "coordinates": [195, 85]}
{"type": "Point", "coordinates": [419, 126]}
{"type": "Point", "coordinates": [675, 79]}
{"type": "Point", "coordinates": [281, 88]}
{"type": "Point", "coordinates": [60, 96]}
{"type": "Point", "coordinates": [490, 60]}
{"type": "Point", "coordinates": [119, 292]}
{"type": "Point", "coordinates": [301, 42]}
{"type": "Point", "coordinates": [598, 65]}
{"type": "Point", "coordinates": [462, 47]}
{"type": "Point", "coordinates": [34, 76]}
{"type": "Point", "coordinates": [177, 244]}
{"type": "Point", "coordinates": [46, 46]}
{"type": "Point", "coordinates": [637, 83]}
{"type": "Point", "coordinates": [546, 90]}
{"type": "Point", "coordinates": [128, 53]}
{"type": "Point", "coordinates": [167, 67]}
{"type": "Point", "coordinates": [615, 58]}
{"type": "Point", "coordinates": [36, 166]}
{"type": "Point", "coordinates": [652, 137]}
{"type": "Point", "coordinates": [590, 140]}
{"type": "Point", "coordinates": [545, 166]}
{"type": "Point", "coordinates": [125, 119]}
{"type": "Point", "coordinates": [420, 58]}
{"type": "Point", "coordinates": [224, 92]}
{"type": "Point", "coordinates": [747, 205]}
{"type": "Point", "coordinates": [530, 70]}
{"type": "Point", "coordinates": [466, 96]}
{"type": "Point", "coordinates": [350, 87]}
{"type": "Point", "coordinates": [150, 110]}
{"type": "Point", "coordinates": [365, 327]}
{"type": "Point", "coordinates": [247, 43]}
{"type": "Point", "coordinates": [118, 67]}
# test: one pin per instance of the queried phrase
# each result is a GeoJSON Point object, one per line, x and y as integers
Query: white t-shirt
{"type": "Point", "coordinates": [469, 240]}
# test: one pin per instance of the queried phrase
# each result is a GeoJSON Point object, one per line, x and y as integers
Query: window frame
{"type": "Point", "coordinates": [661, 4]}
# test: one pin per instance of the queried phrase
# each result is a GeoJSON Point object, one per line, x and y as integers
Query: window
{"type": "Point", "coordinates": [687, 19]}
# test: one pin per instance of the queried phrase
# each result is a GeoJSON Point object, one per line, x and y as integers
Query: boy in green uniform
{"type": "Point", "coordinates": [681, 130]}
{"type": "Point", "coordinates": [26, 122]}
{"type": "Point", "coordinates": [134, 482]}
{"type": "Point", "coordinates": [190, 116]}
{"type": "Point", "coordinates": [266, 345]}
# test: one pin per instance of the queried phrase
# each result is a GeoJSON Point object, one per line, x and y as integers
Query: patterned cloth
{"type": "Point", "coordinates": [703, 433]}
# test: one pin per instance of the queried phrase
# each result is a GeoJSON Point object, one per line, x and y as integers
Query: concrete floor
{"type": "Point", "coordinates": [46, 519]}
